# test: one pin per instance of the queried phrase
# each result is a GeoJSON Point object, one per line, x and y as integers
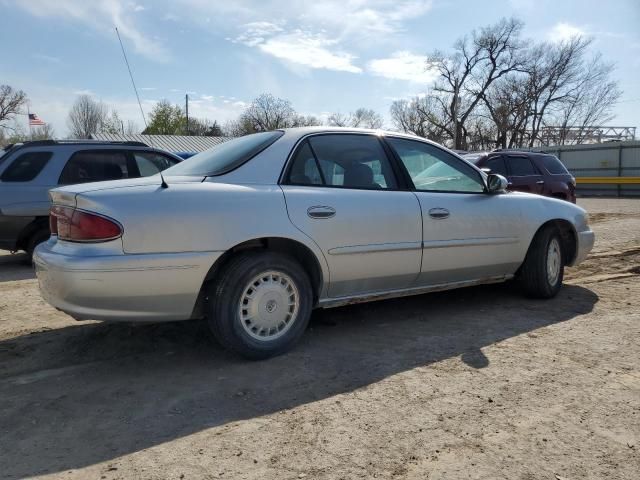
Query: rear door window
{"type": "Point", "coordinates": [496, 165]}
{"type": "Point", "coordinates": [342, 160]}
{"type": "Point", "coordinates": [95, 166]}
{"type": "Point", "coordinates": [26, 167]}
{"type": "Point", "coordinates": [150, 163]}
{"type": "Point", "coordinates": [553, 165]}
{"type": "Point", "coordinates": [353, 161]}
{"type": "Point", "coordinates": [521, 166]}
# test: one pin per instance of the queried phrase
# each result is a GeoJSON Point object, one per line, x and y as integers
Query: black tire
{"type": "Point", "coordinates": [225, 295]}
{"type": "Point", "coordinates": [36, 239]}
{"type": "Point", "coordinates": [534, 278]}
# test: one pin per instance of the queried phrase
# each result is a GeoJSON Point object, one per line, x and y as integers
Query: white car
{"type": "Point", "coordinates": [258, 231]}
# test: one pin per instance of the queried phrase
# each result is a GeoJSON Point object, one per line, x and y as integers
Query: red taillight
{"type": "Point", "coordinates": [80, 226]}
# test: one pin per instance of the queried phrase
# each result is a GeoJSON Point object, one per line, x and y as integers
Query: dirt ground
{"type": "Point", "coordinates": [477, 383]}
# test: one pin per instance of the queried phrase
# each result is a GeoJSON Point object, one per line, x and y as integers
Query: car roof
{"type": "Point", "coordinates": [52, 144]}
{"type": "Point", "coordinates": [300, 132]}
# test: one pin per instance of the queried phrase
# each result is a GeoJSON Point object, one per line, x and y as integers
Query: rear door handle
{"type": "Point", "coordinates": [540, 182]}
{"type": "Point", "coordinates": [321, 211]}
{"type": "Point", "coordinates": [438, 213]}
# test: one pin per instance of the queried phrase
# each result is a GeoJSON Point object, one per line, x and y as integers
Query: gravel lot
{"type": "Point", "coordinates": [477, 383]}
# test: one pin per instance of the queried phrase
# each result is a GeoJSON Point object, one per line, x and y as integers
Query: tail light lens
{"type": "Point", "coordinates": [75, 225]}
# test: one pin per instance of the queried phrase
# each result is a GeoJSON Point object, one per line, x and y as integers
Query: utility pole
{"type": "Point", "coordinates": [455, 113]}
{"type": "Point", "coordinates": [186, 109]}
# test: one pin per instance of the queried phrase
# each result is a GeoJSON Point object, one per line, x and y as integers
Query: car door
{"type": "Point", "coordinates": [523, 174]}
{"type": "Point", "coordinates": [341, 190]}
{"type": "Point", "coordinates": [467, 234]}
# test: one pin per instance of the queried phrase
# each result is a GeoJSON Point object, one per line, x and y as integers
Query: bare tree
{"type": "Point", "coordinates": [465, 76]}
{"type": "Point", "coordinates": [361, 118]}
{"type": "Point", "coordinates": [366, 118]}
{"type": "Point", "coordinates": [265, 113]}
{"type": "Point", "coordinates": [43, 132]}
{"type": "Point", "coordinates": [11, 103]}
{"type": "Point", "coordinates": [339, 120]}
{"type": "Point", "coordinates": [589, 103]}
{"type": "Point", "coordinates": [204, 128]}
{"type": "Point", "coordinates": [86, 117]}
{"type": "Point", "coordinates": [421, 116]}
{"type": "Point", "coordinates": [268, 112]}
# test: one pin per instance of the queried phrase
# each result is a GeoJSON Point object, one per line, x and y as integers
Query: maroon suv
{"type": "Point", "coordinates": [531, 172]}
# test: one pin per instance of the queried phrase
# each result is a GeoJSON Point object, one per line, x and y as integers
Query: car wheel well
{"type": "Point", "coordinates": [39, 223]}
{"type": "Point", "coordinates": [292, 248]}
{"type": "Point", "coordinates": [567, 234]}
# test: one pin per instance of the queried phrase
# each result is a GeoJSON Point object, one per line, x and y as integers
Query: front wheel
{"type": "Point", "coordinates": [261, 304]}
{"type": "Point", "coordinates": [543, 269]}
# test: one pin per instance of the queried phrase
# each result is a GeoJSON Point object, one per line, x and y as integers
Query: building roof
{"type": "Point", "coordinates": [170, 143]}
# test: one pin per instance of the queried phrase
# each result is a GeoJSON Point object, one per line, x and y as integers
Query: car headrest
{"type": "Point", "coordinates": [358, 175]}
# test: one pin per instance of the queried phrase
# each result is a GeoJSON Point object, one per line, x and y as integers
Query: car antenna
{"type": "Point", "coordinates": [164, 184]}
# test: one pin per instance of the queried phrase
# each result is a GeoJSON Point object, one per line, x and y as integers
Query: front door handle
{"type": "Point", "coordinates": [439, 213]}
{"type": "Point", "coordinates": [321, 211]}
{"type": "Point", "coordinates": [540, 182]}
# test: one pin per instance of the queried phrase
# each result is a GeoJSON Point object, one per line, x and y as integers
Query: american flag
{"type": "Point", "coordinates": [35, 120]}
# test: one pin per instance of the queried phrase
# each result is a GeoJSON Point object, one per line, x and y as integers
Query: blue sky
{"type": "Point", "coordinates": [323, 55]}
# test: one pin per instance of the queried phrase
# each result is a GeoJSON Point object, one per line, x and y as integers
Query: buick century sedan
{"type": "Point", "coordinates": [258, 231]}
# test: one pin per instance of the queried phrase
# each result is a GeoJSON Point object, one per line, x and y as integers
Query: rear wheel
{"type": "Point", "coordinates": [260, 305]}
{"type": "Point", "coordinates": [543, 269]}
{"type": "Point", "coordinates": [36, 239]}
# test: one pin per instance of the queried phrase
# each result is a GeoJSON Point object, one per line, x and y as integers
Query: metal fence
{"type": "Point", "coordinates": [611, 168]}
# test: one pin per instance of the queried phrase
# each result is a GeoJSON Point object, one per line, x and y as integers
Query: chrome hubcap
{"type": "Point", "coordinates": [269, 305]}
{"type": "Point", "coordinates": [554, 261]}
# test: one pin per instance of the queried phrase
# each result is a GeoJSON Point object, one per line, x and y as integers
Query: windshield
{"type": "Point", "coordinates": [225, 157]}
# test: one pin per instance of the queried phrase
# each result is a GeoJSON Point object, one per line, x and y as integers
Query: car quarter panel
{"type": "Point", "coordinates": [194, 217]}
{"type": "Point", "coordinates": [100, 283]}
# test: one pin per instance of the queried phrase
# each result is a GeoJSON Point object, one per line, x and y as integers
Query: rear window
{"type": "Point", "coordinates": [553, 165]}
{"type": "Point", "coordinates": [95, 166]}
{"type": "Point", "coordinates": [225, 157]}
{"type": "Point", "coordinates": [521, 166]}
{"type": "Point", "coordinates": [26, 167]}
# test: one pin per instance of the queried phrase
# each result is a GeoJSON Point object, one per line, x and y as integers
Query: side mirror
{"type": "Point", "coordinates": [496, 183]}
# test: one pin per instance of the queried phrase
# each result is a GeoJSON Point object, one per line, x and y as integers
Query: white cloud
{"type": "Point", "coordinates": [255, 33]}
{"type": "Point", "coordinates": [297, 46]}
{"type": "Point", "coordinates": [148, 89]}
{"type": "Point", "coordinates": [103, 16]}
{"type": "Point", "coordinates": [357, 20]}
{"type": "Point", "coordinates": [403, 65]}
{"type": "Point", "coordinates": [46, 58]}
{"type": "Point", "coordinates": [563, 31]}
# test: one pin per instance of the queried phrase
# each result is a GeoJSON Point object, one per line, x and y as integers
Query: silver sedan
{"type": "Point", "coordinates": [258, 231]}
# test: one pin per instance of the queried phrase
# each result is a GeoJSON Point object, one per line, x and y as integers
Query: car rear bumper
{"type": "Point", "coordinates": [586, 240]}
{"type": "Point", "coordinates": [147, 287]}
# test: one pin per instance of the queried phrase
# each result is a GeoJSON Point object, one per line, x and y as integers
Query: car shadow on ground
{"type": "Point", "coordinates": [80, 395]}
{"type": "Point", "coordinates": [15, 267]}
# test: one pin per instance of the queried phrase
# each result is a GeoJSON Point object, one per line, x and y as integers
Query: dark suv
{"type": "Point", "coordinates": [532, 172]}
{"type": "Point", "coordinates": [29, 170]}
